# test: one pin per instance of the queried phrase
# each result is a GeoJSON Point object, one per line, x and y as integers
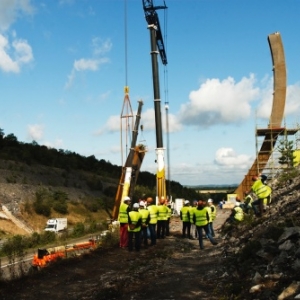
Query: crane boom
{"type": "Point", "coordinates": [152, 19]}
{"type": "Point", "coordinates": [156, 41]}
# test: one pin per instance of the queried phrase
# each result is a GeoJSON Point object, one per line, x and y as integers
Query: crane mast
{"type": "Point", "coordinates": [131, 168]}
{"type": "Point", "coordinates": [157, 47]}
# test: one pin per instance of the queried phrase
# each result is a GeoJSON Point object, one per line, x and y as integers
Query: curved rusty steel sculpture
{"type": "Point", "coordinates": [274, 128]}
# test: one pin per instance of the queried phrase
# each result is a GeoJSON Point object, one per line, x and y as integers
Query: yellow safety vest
{"type": "Point", "coordinates": [200, 216]}
{"type": "Point", "coordinates": [213, 213]}
{"type": "Point", "coordinates": [162, 213]}
{"type": "Point", "coordinates": [239, 214]}
{"type": "Point", "coordinates": [153, 213]}
{"type": "Point", "coordinates": [192, 211]}
{"type": "Point", "coordinates": [135, 217]}
{"type": "Point", "coordinates": [123, 215]}
{"type": "Point", "coordinates": [248, 200]}
{"type": "Point", "coordinates": [145, 214]}
{"type": "Point", "coordinates": [185, 211]}
{"type": "Point", "coordinates": [261, 191]}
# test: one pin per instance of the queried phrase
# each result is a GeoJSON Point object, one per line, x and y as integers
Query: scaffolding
{"type": "Point", "coordinates": [267, 152]}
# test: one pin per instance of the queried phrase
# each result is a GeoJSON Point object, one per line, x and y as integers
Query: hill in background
{"type": "Point", "coordinates": [37, 182]}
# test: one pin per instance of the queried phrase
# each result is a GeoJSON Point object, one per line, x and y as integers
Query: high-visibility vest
{"type": "Point", "coordinates": [209, 213]}
{"type": "Point", "coordinates": [268, 199]}
{"type": "Point", "coordinates": [123, 215]}
{"type": "Point", "coordinates": [185, 214]}
{"type": "Point", "coordinates": [136, 219]}
{"type": "Point", "coordinates": [261, 191]}
{"type": "Point", "coordinates": [162, 213]}
{"type": "Point", "coordinates": [153, 213]}
{"type": "Point", "coordinates": [248, 200]}
{"type": "Point", "coordinates": [192, 211]}
{"type": "Point", "coordinates": [239, 214]}
{"type": "Point", "coordinates": [145, 214]}
{"type": "Point", "coordinates": [201, 216]}
{"type": "Point", "coordinates": [213, 213]}
{"type": "Point", "coordinates": [169, 212]}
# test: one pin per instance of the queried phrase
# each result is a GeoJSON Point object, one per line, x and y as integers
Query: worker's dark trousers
{"type": "Point", "coordinates": [200, 237]}
{"type": "Point", "coordinates": [186, 229]}
{"type": "Point", "coordinates": [144, 236]}
{"type": "Point", "coordinates": [211, 229]}
{"type": "Point", "coordinates": [137, 240]}
{"type": "Point", "coordinates": [168, 227]}
{"type": "Point", "coordinates": [152, 230]}
{"type": "Point", "coordinates": [161, 229]}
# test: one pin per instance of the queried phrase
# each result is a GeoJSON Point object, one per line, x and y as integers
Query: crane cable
{"type": "Point", "coordinates": [126, 103]}
{"type": "Point", "coordinates": [168, 177]}
{"type": "Point", "coordinates": [125, 35]}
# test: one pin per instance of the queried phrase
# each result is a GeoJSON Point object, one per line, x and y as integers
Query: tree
{"type": "Point", "coordinates": [286, 150]}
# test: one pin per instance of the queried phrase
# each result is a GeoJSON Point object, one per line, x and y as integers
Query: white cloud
{"type": "Point", "coordinates": [265, 106]}
{"type": "Point", "coordinates": [147, 120]}
{"type": "Point", "coordinates": [220, 102]}
{"type": "Point", "coordinates": [17, 52]}
{"type": "Point", "coordinates": [57, 144]}
{"type": "Point", "coordinates": [87, 64]}
{"type": "Point", "coordinates": [35, 132]}
{"type": "Point", "coordinates": [101, 47]}
{"type": "Point", "coordinates": [23, 51]}
{"type": "Point", "coordinates": [90, 64]}
{"type": "Point", "coordinates": [292, 106]}
{"type": "Point", "coordinates": [11, 9]}
{"type": "Point", "coordinates": [113, 124]}
{"type": "Point", "coordinates": [228, 158]}
{"type": "Point", "coordinates": [12, 57]}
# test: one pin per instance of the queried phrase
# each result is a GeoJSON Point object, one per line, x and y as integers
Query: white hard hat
{"type": "Point", "coordinates": [210, 201]}
{"type": "Point", "coordinates": [136, 205]}
{"type": "Point", "coordinates": [186, 202]}
{"type": "Point", "coordinates": [142, 203]}
{"type": "Point", "coordinates": [126, 199]}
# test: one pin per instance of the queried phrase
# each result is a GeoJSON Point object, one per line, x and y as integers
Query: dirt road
{"type": "Point", "coordinates": [173, 269]}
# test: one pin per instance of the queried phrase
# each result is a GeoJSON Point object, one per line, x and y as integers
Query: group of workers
{"type": "Point", "coordinates": [261, 191]}
{"type": "Point", "coordinates": [198, 218]}
{"type": "Point", "coordinates": [145, 219]}
{"type": "Point", "coordinates": [148, 221]}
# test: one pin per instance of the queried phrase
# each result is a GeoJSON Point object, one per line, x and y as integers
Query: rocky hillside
{"type": "Point", "coordinates": [19, 183]}
{"type": "Point", "coordinates": [262, 255]}
{"type": "Point", "coordinates": [19, 180]}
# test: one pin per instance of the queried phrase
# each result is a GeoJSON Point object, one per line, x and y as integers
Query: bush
{"type": "Point", "coordinates": [42, 209]}
{"type": "Point", "coordinates": [60, 207]}
{"type": "Point", "coordinates": [47, 237]}
{"type": "Point", "coordinates": [78, 230]}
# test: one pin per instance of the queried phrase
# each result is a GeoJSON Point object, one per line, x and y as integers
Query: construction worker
{"type": "Point", "coordinates": [262, 192]}
{"type": "Point", "coordinates": [248, 200]}
{"type": "Point", "coordinates": [145, 221]}
{"type": "Point", "coordinates": [123, 219]}
{"type": "Point", "coordinates": [185, 218]}
{"type": "Point", "coordinates": [153, 220]}
{"type": "Point", "coordinates": [213, 215]}
{"type": "Point", "coordinates": [200, 217]}
{"type": "Point", "coordinates": [134, 228]}
{"type": "Point", "coordinates": [162, 215]}
{"type": "Point", "coordinates": [194, 233]}
{"type": "Point", "coordinates": [236, 216]}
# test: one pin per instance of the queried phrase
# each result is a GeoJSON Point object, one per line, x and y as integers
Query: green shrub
{"type": "Point", "coordinates": [78, 230]}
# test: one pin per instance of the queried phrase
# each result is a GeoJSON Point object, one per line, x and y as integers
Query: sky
{"type": "Point", "coordinates": [64, 65]}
